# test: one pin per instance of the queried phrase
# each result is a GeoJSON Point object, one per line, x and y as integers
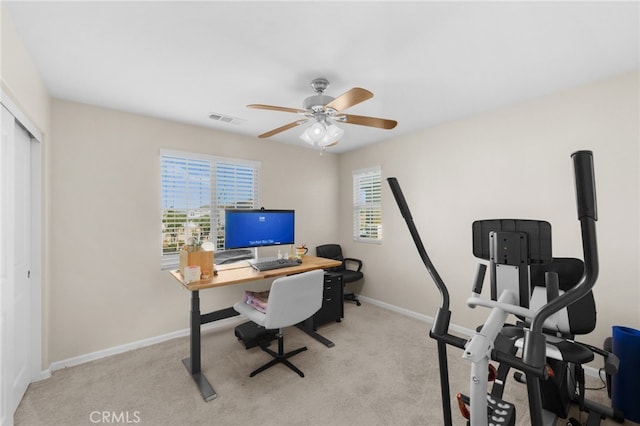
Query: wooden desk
{"type": "Point", "coordinates": [229, 276]}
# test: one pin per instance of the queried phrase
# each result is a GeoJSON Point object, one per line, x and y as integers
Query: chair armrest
{"type": "Point", "coordinates": [611, 361]}
{"type": "Point", "coordinates": [351, 259]}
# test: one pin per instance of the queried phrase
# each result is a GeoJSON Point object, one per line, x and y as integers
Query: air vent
{"type": "Point", "coordinates": [226, 118]}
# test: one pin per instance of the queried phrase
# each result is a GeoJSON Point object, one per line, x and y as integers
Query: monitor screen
{"type": "Point", "coordinates": [258, 228]}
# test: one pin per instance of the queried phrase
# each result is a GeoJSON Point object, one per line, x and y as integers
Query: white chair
{"type": "Point", "coordinates": [292, 299]}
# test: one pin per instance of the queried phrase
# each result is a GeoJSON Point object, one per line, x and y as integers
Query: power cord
{"type": "Point", "coordinates": [604, 383]}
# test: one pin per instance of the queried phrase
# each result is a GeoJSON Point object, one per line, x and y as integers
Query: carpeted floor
{"type": "Point", "coordinates": [382, 371]}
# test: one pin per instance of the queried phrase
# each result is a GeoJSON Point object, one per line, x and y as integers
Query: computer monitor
{"type": "Point", "coordinates": [258, 228]}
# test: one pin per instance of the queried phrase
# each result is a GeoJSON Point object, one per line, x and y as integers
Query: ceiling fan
{"type": "Point", "coordinates": [323, 111]}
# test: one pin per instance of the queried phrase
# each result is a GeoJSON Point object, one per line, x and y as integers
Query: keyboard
{"type": "Point", "coordinates": [274, 264]}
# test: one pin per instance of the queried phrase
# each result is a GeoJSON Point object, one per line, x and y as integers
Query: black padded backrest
{"type": "Point", "coordinates": [511, 245]}
{"type": "Point", "coordinates": [331, 251]}
{"type": "Point", "coordinates": [538, 237]}
{"type": "Point", "coordinates": [582, 313]}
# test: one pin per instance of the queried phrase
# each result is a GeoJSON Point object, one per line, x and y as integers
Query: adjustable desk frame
{"type": "Point", "coordinates": [230, 277]}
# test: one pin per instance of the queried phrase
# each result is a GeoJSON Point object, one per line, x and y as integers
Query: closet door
{"type": "Point", "coordinates": [15, 269]}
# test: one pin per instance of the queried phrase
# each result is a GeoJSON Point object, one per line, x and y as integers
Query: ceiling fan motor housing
{"type": "Point", "coordinates": [319, 84]}
{"type": "Point", "coordinates": [316, 103]}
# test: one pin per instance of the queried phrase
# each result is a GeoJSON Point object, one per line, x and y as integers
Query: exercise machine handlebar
{"type": "Point", "coordinates": [480, 273]}
{"type": "Point", "coordinates": [585, 184]}
{"type": "Point", "coordinates": [517, 363]}
{"type": "Point", "coordinates": [587, 214]}
{"type": "Point", "coordinates": [440, 327]}
{"type": "Point", "coordinates": [443, 316]}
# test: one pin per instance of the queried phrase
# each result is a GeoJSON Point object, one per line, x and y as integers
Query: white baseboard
{"type": "Point", "coordinates": [70, 362]}
{"type": "Point", "coordinates": [421, 317]}
{"type": "Point", "coordinates": [41, 375]}
{"type": "Point", "coordinates": [590, 371]}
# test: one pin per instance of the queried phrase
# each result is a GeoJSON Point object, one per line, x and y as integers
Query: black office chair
{"type": "Point", "coordinates": [349, 274]}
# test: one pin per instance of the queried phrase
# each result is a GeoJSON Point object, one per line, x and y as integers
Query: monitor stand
{"type": "Point", "coordinates": [276, 252]}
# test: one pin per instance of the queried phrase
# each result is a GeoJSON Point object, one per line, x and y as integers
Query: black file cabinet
{"type": "Point", "coordinates": [332, 306]}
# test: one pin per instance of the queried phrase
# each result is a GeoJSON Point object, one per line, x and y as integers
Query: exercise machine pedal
{"type": "Point", "coordinates": [499, 412]}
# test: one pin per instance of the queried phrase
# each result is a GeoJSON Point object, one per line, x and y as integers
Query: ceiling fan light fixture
{"type": "Point", "coordinates": [321, 135]}
{"type": "Point", "coordinates": [317, 132]}
{"type": "Point", "coordinates": [314, 133]}
{"type": "Point", "coordinates": [334, 134]}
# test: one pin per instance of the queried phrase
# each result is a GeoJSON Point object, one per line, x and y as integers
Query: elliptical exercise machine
{"type": "Point", "coordinates": [512, 247]}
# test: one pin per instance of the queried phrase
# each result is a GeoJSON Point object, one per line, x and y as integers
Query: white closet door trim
{"type": "Point", "coordinates": [8, 103]}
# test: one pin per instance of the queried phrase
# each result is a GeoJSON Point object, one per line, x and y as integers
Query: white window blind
{"type": "Point", "coordinates": [195, 191]}
{"type": "Point", "coordinates": [236, 187]}
{"type": "Point", "coordinates": [367, 205]}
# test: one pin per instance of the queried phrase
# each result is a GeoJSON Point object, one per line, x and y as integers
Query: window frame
{"type": "Point", "coordinates": [171, 260]}
{"type": "Point", "coordinates": [371, 208]}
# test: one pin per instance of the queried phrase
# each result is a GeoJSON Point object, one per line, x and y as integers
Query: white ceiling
{"type": "Point", "coordinates": [426, 62]}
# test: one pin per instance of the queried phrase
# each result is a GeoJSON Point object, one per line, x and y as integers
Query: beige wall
{"type": "Point", "coordinates": [107, 288]}
{"type": "Point", "coordinates": [100, 168]}
{"type": "Point", "coordinates": [510, 163]}
{"type": "Point", "coordinates": [20, 78]}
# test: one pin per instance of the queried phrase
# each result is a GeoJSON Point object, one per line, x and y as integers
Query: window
{"type": "Point", "coordinates": [367, 205]}
{"type": "Point", "coordinates": [195, 191]}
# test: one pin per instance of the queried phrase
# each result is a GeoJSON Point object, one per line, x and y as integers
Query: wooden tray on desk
{"type": "Point", "coordinates": [230, 276]}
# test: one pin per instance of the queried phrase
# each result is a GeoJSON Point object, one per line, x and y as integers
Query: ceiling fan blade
{"type": "Point", "coordinates": [282, 129]}
{"type": "Point", "coordinates": [380, 123]}
{"type": "Point", "coordinates": [277, 108]}
{"type": "Point", "coordinates": [350, 98]}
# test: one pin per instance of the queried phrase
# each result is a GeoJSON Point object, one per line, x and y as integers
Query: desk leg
{"type": "Point", "coordinates": [193, 363]}
{"type": "Point", "coordinates": [307, 327]}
